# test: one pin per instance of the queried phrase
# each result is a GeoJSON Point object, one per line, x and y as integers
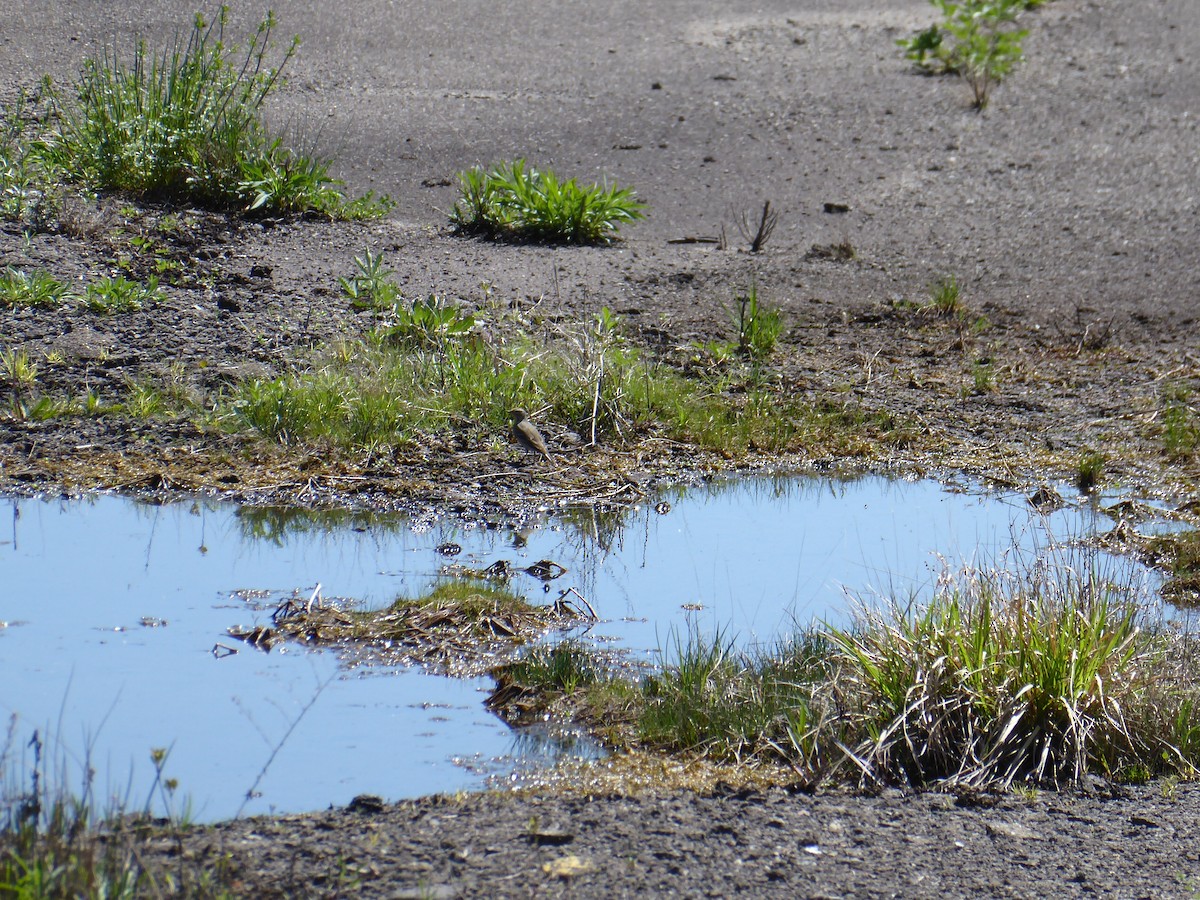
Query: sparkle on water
{"type": "Point", "coordinates": [113, 609]}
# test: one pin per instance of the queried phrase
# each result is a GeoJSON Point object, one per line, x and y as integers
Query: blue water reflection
{"type": "Point", "coordinates": [752, 557]}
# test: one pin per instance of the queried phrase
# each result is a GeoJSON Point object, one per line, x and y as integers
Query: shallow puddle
{"type": "Point", "coordinates": [114, 609]}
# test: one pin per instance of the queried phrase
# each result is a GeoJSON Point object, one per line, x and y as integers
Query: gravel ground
{"type": "Point", "coordinates": [1134, 842]}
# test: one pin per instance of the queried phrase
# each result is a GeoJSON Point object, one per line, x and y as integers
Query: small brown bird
{"type": "Point", "coordinates": [526, 434]}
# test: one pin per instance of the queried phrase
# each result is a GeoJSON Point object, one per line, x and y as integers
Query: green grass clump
{"type": "Point", "coordinates": [1180, 422]}
{"type": "Point", "coordinates": [431, 368]}
{"type": "Point", "coordinates": [758, 327]}
{"type": "Point", "coordinates": [17, 369]}
{"type": "Point", "coordinates": [945, 297]}
{"type": "Point", "coordinates": [372, 287]}
{"type": "Point", "coordinates": [28, 192]}
{"type": "Point", "coordinates": [1090, 471]}
{"type": "Point", "coordinates": [184, 124]}
{"type": "Point", "coordinates": [111, 296]}
{"type": "Point", "coordinates": [982, 687]}
{"type": "Point", "coordinates": [733, 707]}
{"type": "Point", "coordinates": [998, 680]}
{"type": "Point", "coordinates": [472, 597]}
{"type": "Point", "coordinates": [510, 200]}
{"type": "Point", "coordinates": [19, 288]}
{"type": "Point", "coordinates": [562, 668]}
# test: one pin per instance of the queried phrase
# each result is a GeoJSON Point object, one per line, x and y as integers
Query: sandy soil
{"type": "Point", "coordinates": [1068, 211]}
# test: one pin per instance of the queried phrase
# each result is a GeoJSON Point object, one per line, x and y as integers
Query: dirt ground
{"type": "Point", "coordinates": [1068, 211]}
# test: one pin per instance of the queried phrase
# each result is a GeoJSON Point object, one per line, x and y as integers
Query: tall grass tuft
{"type": "Point", "coordinates": [1180, 421]}
{"type": "Point", "coordinates": [185, 124]}
{"type": "Point", "coordinates": [1039, 677]}
{"type": "Point", "coordinates": [61, 844]}
{"type": "Point", "coordinates": [736, 707]}
{"type": "Point", "coordinates": [1002, 678]}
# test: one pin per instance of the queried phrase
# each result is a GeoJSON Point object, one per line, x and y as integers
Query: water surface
{"type": "Point", "coordinates": [85, 659]}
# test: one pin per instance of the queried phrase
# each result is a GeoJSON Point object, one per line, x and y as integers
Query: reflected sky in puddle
{"type": "Point", "coordinates": [751, 556]}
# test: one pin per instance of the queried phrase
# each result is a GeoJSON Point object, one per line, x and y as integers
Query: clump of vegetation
{"type": "Point", "coordinates": [757, 327]}
{"type": "Point", "coordinates": [37, 289]}
{"type": "Point", "coordinates": [988, 685]}
{"type": "Point", "coordinates": [19, 373]}
{"type": "Point", "coordinates": [107, 296]}
{"type": "Point", "coordinates": [1090, 471]}
{"type": "Point", "coordinates": [371, 288]}
{"type": "Point", "coordinates": [976, 39]}
{"type": "Point", "coordinates": [425, 323]}
{"type": "Point", "coordinates": [386, 393]}
{"type": "Point", "coordinates": [59, 845]}
{"type": "Point", "coordinates": [1180, 421]}
{"type": "Point", "coordinates": [111, 296]}
{"type": "Point", "coordinates": [184, 124]}
{"type": "Point", "coordinates": [531, 685]}
{"type": "Point", "coordinates": [734, 707]}
{"type": "Point", "coordinates": [997, 680]}
{"type": "Point", "coordinates": [983, 377]}
{"type": "Point", "coordinates": [464, 626]}
{"type": "Point", "coordinates": [430, 366]}
{"type": "Point", "coordinates": [511, 200]}
{"type": "Point", "coordinates": [945, 297]}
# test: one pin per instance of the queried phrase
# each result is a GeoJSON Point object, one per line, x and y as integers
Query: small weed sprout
{"type": "Point", "coordinates": [758, 328]}
{"type": "Point", "coordinates": [20, 374]}
{"type": "Point", "coordinates": [1090, 471]}
{"type": "Point", "coordinates": [511, 200]}
{"type": "Point", "coordinates": [17, 369]}
{"type": "Point", "coordinates": [945, 297]}
{"type": "Point", "coordinates": [976, 39]}
{"type": "Point", "coordinates": [112, 296]}
{"type": "Point", "coordinates": [372, 288]}
{"type": "Point", "coordinates": [426, 323]}
{"type": "Point", "coordinates": [983, 377]}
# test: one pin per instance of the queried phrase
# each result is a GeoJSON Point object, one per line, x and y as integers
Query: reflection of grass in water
{"type": "Point", "coordinates": [59, 843]}
{"type": "Point", "coordinates": [277, 523]}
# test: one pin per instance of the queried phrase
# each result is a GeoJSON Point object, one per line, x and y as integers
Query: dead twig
{"type": "Point", "coordinates": [759, 234]}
